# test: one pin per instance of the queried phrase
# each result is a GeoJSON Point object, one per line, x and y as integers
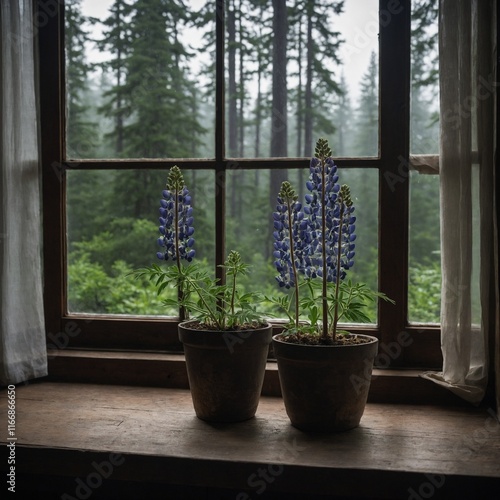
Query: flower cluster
{"type": "Point", "coordinates": [346, 231]}
{"type": "Point", "coordinates": [304, 239]}
{"type": "Point", "coordinates": [289, 235]}
{"type": "Point", "coordinates": [176, 220]}
{"type": "Point", "coordinates": [318, 240]}
{"type": "Point", "coordinates": [214, 305]}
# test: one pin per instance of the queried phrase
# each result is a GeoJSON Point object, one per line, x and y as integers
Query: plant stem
{"type": "Point", "coordinates": [233, 296]}
{"type": "Point", "coordinates": [180, 292]}
{"type": "Point", "coordinates": [205, 304]}
{"type": "Point", "coordinates": [294, 267]}
{"type": "Point", "coordinates": [323, 248]}
{"type": "Point", "coordinates": [337, 282]}
{"type": "Point", "coordinates": [233, 291]}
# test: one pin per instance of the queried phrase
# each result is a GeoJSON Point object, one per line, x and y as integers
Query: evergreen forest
{"type": "Point", "coordinates": [140, 84]}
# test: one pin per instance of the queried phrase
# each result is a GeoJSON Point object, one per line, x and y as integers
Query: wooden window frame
{"type": "Point", "coordinates": [421, 344]}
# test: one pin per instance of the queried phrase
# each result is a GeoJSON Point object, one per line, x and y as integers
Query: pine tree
{"type": "Point", "coordinates": [163, 113]}
{"type": "Point", "coordinates": [117, 41]}
{"type": "Point", "coordinates": [424, 126]}
{"type": "Point", "coordinates": [279, 118]}
{"type": "Point", "coordinates": [343, 112]}
{"type": "Point", "coordinates": [158, 84]}
{"type": "Point", "coordinates": [367, 113]}
{"type": "Point", "coordinates": [80, 131]}
{"type": "Point", "coordinates": [316, 54]}
{"type": "Point", "coordinates": [260, 40]}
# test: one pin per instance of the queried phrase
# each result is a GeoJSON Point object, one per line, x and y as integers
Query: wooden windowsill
{"type": "Point", "coordinates": [169, 371]}
{"type": "Point", "coordinates": [137, 442]}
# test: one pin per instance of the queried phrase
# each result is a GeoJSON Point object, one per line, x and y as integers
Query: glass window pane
{"type": "Point", "coordinates": [298, 72]}
{"type": "Point", "coordinates": [139, 79]}
{"type": "Point", "coordinates": [112, 229]}
{"type": "Point", "coordinates": [424, 291]}
{"type": "Point", "coordinates": [251, 199]}
{"type": "Point", "coordinates": [424, 117]}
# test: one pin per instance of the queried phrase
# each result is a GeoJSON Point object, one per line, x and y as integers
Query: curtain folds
{"type": "Point", "coordinates": [467, 54]}
{"type": "Point", "coordinates": [23, 353]}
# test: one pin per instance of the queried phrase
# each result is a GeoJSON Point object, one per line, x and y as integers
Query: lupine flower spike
{"type": "Point", "coordinates": [289, 237]}
{"type": "Point", "coordinates": [176, 220]}
{"type": "Point", "coordinates": [344, 250]}
{"type": "Point", "coordinates": [318, 241]}
{"type": "Point", "coordinates": [214, 305]}
{"type": "Point", "coordinates": [323, 211]}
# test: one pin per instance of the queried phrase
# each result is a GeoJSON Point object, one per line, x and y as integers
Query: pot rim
{"type": "Point", "coordinates": [373, 340]}
{"type": "Point", "coordinates": [229, 340]}
{"type": "Point", "coordinates": [185, 325]}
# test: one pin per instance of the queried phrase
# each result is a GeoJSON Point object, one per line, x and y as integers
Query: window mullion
{"type": "Point", "coordinates": [51, 59]}
{"type": "Point", "coordinates": [393, 175]}
{"type": "Point", "coordinates": [219, 137]}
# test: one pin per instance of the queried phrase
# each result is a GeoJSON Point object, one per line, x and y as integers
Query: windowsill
{"type": "Point", "coordinates": [160, 449]}
{"type": "Point", "coordinates": [169, 371]}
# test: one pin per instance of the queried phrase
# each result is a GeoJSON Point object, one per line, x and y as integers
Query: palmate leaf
{"type": "Point", "coordinates": [314, 315]}
{"type": "Point", "coordinates": [352, 300]}
{"type": "Point", "coordinates": [249, 297]}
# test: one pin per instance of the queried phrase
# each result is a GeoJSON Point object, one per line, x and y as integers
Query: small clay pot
{"type": "Point", "coordinates": [225, 370]}
{"type": "Point", "coordinates": [325, 387]}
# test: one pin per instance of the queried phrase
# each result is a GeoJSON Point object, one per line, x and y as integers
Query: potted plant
{"type": "Point", "coordinates": [319, 364]}
{"type": "Point", "coordinates": [225, 340]}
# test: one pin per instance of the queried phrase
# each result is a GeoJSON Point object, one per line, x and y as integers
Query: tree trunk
{"type": "Point", "coordinates": [300, 113]}
{"type": "Point", "coordinates": [279, 132]}
{"type": "Point", "coordinates": [233, 101]}
{"type": "Point", "coordinates": [233, 98]}
{"type": "Point", "coordinates": [308, 121]}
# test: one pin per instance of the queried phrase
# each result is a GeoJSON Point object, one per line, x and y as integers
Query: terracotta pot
{"type": "Point", "coordinates": [225, 371]}
{"type": "Point", "coordinates": [325, 388]}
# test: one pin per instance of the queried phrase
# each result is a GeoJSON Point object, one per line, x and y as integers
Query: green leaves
{"type": "Point", "coordinates": [352, 301]}
{"type": "Point", "coordinates": [217, 306]}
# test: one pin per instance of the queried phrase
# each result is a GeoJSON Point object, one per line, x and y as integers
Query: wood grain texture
{"type": "Point", "coordinates": [63, 429]}
{"type": "Point", "coordinates": [169, 371]}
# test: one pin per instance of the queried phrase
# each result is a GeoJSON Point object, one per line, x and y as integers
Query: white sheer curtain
{"type": "Point", "coordinates": [23, 353]}
{"type": "Point", "coordinates": [467, 97]}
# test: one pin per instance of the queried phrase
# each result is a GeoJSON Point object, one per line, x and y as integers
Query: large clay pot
{"type": "Point", "coordinates": [225, 370]}
{"type": "Point", "coordinates": [325, 388]}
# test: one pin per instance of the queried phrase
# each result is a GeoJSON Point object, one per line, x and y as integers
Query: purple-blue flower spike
{"type": "Point", "coordinates": [330, 250]}
{"type": "Point", "coordinates": [289, 236]}
{"type": "Point", "coordinates": [323, 221]}
{"type": "Point", "coordinates": [176, 220]}
{"type": "Point", "coordinates": [345, 243]}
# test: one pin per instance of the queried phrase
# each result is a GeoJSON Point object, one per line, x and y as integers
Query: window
{"type": "Point", "coordinates": [230, 123]}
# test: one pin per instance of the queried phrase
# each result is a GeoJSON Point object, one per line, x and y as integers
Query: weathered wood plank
{"type": "Point", "coordinates": [156, 427]}
{"type": "Point", "coordinates": [169, 370]}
